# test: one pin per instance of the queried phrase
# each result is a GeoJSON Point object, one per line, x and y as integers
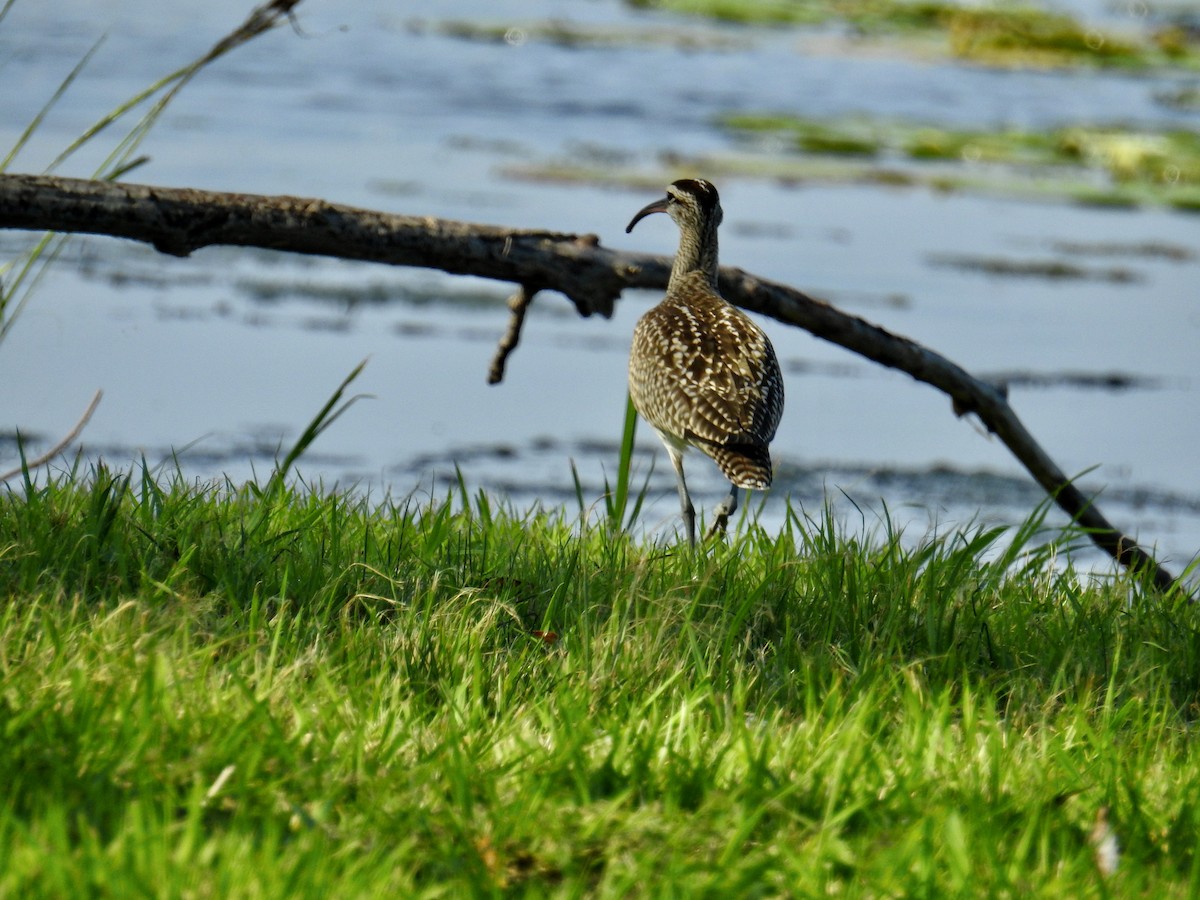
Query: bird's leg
{"type": "Point", "coordinates": [685, 501]}
{"type": "Point", "coordinates": [721, 513]}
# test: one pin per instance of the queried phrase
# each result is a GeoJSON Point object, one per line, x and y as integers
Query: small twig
{"type": "Point", "coordinates": [518, 303]}
{"type": "Point", "coordinates": [58, 448]}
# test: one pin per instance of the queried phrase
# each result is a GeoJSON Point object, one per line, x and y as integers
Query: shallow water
{"type": "Point", "coordinates": [229, 353]}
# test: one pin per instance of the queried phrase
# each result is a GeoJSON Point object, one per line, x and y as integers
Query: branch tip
{"type": "Point", "coordinates": [518, 305]}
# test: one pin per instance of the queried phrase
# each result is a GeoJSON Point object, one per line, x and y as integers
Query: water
{"type": "Point", "coordinates": [229, 353]}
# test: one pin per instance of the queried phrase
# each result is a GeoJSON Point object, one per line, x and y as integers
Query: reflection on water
{"type": "Point", "coordinates": [229, 353]}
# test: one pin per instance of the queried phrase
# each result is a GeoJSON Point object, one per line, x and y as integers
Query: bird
{"type": "Point", "coordinates": [701, 372]}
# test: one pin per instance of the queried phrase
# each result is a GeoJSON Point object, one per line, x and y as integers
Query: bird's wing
{"type": "Point", "coordinates": [707, 373]}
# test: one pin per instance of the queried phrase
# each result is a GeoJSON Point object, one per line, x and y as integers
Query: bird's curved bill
{"type": "Point", "coordinates": [656, 206]}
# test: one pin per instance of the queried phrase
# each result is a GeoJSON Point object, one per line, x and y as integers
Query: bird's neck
{"type": "Point", "coordinates": [697, 254]}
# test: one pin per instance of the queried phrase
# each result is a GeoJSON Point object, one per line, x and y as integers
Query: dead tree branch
{"type": "Point", "coordinates": [180, 221]}
{"type": "Point", "coordinates": [518, 305]}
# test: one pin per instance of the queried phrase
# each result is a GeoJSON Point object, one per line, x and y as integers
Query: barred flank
{"type": "Point", "coordinates": [745, 465]}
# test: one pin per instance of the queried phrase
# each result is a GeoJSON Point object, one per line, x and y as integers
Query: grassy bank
{"type": "Point", "coordinates": [272, 693]}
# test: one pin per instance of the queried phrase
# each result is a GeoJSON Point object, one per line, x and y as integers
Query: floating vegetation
{"type": "Point", "coordinates": [1144, 250]}
{"type": "Point", "coordinates": [1077, 379]}
{"type": "Point", "coordinates": [1186, 98]}
{"type": "Point", "coordinates": [352, 295]}
{"type": "Point", "coordinates": [1134, 167]}
{"type": "Point", "coordinates": [562, 33]}
{"type": "Point", "coordinates": [1111, 167]}
{"type": "Point", "coordinates": [1002, 35]}
{"type": "Point", "coordinates": [826, 170]}
{"type": "Point", "coordinates": [1034, 268]}
{"type": "Point", "coordinates": [1032, 37]}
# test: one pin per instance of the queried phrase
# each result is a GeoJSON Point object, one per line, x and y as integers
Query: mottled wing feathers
{"type": "Point", "coordinates": [703, 371]}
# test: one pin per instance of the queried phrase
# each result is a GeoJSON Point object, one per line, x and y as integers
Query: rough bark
{"type": "Point", "coordinates": [180, 221]}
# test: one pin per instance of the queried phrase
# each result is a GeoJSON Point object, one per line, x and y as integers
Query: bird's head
{"type": "Point", "coordinates": [691, 202]}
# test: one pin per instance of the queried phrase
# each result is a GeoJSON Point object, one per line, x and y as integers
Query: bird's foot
{"type": "Point", "coordinates": [721, 513]}
{"type": "Point", "coordinates": [719, 523]}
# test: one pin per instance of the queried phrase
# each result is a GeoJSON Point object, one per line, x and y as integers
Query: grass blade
{"type": "Point", "coordinates": [37, 120]}
{"type": "Point", "coordinates": [624, 465]}
{"type": "Point", "coordinates": [322, 420]}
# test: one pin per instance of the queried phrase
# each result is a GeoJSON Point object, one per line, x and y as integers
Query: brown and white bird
{"type": "Point", "coordinates": [700, 371]}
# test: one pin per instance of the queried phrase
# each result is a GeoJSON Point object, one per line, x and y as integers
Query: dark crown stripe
{"type": "Point", "coordinates": [704, 192]}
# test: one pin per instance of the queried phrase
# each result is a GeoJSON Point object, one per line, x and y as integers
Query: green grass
{"type": "Point", "coordinates": [218, 692]}
{"type": "Point", "coordinates": [272, 692]}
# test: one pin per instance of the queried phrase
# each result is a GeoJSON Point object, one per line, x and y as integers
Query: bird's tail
{"type": "Point", "coordinates": [745, 465]}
